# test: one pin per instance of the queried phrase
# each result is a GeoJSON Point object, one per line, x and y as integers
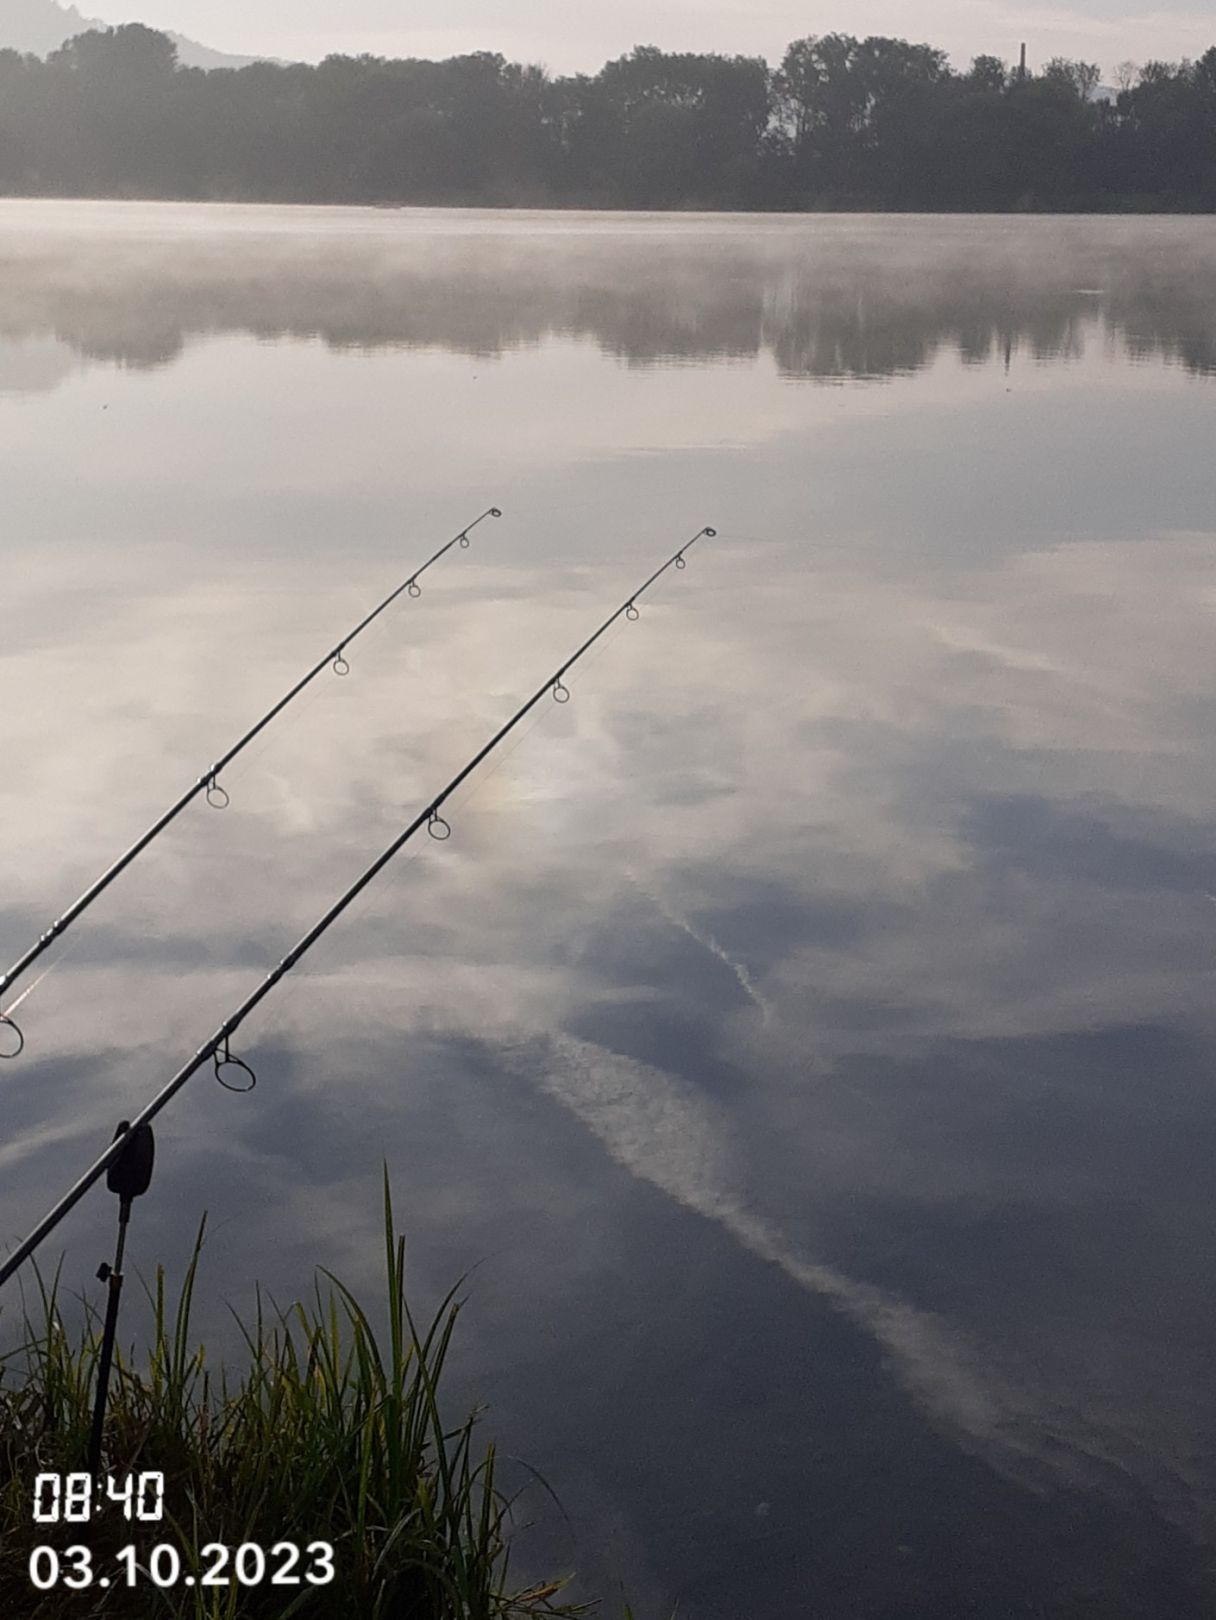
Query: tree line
{"type": "Point", "coordinates": [841, 123]}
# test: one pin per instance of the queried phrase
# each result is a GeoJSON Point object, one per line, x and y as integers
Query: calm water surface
{"type": "Point", "coordinates": [807, 1033]}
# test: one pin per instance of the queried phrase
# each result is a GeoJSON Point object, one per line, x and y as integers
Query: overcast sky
{"type": "Point", "coordinates": [568, 38]}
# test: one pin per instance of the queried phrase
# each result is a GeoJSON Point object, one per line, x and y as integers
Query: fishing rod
{"type": "Point", "coordinates": [209, 784]}
{"type": "Point", "coordinates": [219, 1043]}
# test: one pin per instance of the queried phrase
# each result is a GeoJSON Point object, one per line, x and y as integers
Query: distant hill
{"type": "Point", "coordinates": [41, 26]}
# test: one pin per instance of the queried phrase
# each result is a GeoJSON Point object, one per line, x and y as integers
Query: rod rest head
{"type": "Point", "coordinates": [131, 1172]}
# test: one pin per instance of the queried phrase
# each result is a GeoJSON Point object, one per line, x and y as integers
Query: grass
{"type": "Point", "coordinates": [331, 1434]}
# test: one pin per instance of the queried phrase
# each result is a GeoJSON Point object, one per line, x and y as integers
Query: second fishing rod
{"type": "Point", "coordinates": [12, 1039]}
{"type": "Point", "coordinates": [218, 1048]}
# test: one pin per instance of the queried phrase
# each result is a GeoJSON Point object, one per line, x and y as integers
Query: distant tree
{"type": "Point", "coordinates": [1050, 141]}
{"type": "Point", "coordinates": [823, 101]}
{"type": "Point", "coordinates": [114, 90]}
{"type": "Point", "coordinates": [1170, 122]}
{"type": "Point", "coordinates": [842, 122]}
{"type": "Point", "coordinates": [681, 127]}
{"type": "Point", "coordinates": [988, 73]}
{"type": "Point", "coordinates": [820, 89]}
{"type": "Point", "coordinates": [1158, 72]}
{"type": "Point", "coordinates": [1082, 78]}
{"type": "Point", "coordinates": [129, 55]}
{"type": "Point", "coordinates": [907, 96]}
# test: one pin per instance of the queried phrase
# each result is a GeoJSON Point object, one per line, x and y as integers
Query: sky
{"type": "Point", "coordinates": [570, 39]}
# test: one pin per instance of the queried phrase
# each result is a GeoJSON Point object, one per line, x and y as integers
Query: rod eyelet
{"type": "Point", "coordinates": [237, 1066]}
{"type": "Point", "coordinates": [680, 563]}
{"type": "Point", "coordinates": [217, 796]}
{"type": "Point", "coordinates": [464, 542]}
{"type": "Point", "coordinates": [7, 1023]}
{"type": "Point", "coordinates": [232, 1063]}
{"type": "Point", "coordinates": [438, 828]}
{"type": "Point", "coordinates": [631, 612]}
{"type": "Point", "coordinates": [341, 665]}
{"type": "Point", "coordinates": [495, 511]}
{"type": "Point", "coordinates": [414, 589]}
{"type": "Point", "coordinates": [561, 693]}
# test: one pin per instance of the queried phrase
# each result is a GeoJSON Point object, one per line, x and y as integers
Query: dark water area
{"type": "Point", "coordinates": [805, 1041]}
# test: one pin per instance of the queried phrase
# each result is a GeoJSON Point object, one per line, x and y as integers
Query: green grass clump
{"type": "Point", "coordinates": [330, 1435]}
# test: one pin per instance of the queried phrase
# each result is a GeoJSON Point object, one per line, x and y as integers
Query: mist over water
{"type": "Point", "coordinates": [807, 1032]}
{"type": "Point", "coordinates": [849, 296]}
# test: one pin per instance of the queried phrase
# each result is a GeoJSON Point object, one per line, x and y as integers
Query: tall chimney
{"type": "Point", "coordinates": [1022, 64]}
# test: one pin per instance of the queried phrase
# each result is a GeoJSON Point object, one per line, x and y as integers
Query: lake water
{"type": "Point", "coordinates": [807, 1034]}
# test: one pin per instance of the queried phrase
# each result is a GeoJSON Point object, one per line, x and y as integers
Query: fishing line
{"type": "Point", "coordinates": [469, 797]}
{"type": "Point", "coordinates": [12, 1040]}
{"type": "Point", "coordinates": [15, 1043]}
{"type": "Point", "coordinates": [30, 988]}
{"type": "Point", "coordinates": [241, 1073]}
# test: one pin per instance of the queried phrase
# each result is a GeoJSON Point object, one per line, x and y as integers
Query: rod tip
{"type": "Point", "coordinates": [495, 511]}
